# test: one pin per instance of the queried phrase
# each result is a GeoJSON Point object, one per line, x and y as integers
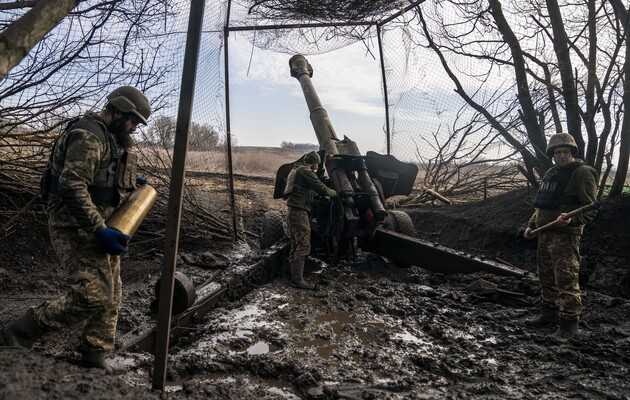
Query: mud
{"type": "Point", "coordinates": [370, 330]}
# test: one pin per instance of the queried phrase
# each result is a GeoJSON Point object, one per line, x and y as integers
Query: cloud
{"type": "Point", "coordinates": [346, 80]}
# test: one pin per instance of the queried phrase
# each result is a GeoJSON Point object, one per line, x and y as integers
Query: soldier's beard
{"type": "Point", "coordinates": [122, 137]}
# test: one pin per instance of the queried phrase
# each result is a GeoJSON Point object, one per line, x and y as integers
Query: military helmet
{"type": "Point", "coordinates": [128, 99]}
{"type": "Point", "coordinates": [559, 140]}
{"type": "Point", "coordinates": [312, 157]}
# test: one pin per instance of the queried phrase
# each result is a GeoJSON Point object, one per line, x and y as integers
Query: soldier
{"type": "Point", "coordinates": [302, 182]}
{"type": "Point", "coordinates": [567, 186]}
{"type": "Point", "coordinates": [90, 169]}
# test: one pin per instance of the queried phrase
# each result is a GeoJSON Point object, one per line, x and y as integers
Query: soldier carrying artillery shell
{"type": "Point", "coordinates": [89, 172]}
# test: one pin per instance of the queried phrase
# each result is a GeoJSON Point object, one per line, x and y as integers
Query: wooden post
{"type": "Point", "coordinates": [174, 210]}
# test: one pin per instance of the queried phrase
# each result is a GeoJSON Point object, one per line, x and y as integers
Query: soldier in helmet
{"type": "Point", "coordinates": [302, 183]}
{"type": "Point", "coordinates": [566, 186]}
{"type": "Point", "coordinates": [89, 171]}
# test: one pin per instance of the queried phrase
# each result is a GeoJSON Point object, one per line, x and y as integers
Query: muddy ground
{"type": "Point", "coordinates": [369, 331]}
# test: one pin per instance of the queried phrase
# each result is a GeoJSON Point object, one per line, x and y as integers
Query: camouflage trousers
{"type": "Point", "coordinates": [95, 292]}
{"type": "Point", "coordinates": [299, 226]}
{"type": "Point", "coordinates": [558, 259]}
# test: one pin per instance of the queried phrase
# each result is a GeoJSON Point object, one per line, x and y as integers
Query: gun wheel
{"type": "Point", "coordinates": [272, 228]}
{"type": "Point", "coordinates": [399, 222]}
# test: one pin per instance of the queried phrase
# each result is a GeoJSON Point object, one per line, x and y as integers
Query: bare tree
{"type": "Point", "coordinates": [20, 37]}
{"type": "Point", "coordinates": [99, 45]}
{"type": "Point", "coordinates": [299, 146]}
{"type": "Point", "coordinates": [161, 132]}
{"type": "Point", "coordinates": [551, 90]}
{"type": "Point", "coordinates": [203, 137]}
{"type": "Point", "coordinates": [623, 16]}
{"type": "Point", "coordinates": [461, 164]}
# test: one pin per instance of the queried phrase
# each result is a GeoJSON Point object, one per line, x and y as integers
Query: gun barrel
{"type": "Point", "coordinates": [343, 160]}
{"type": "Point", "coordinates": [326, 136]}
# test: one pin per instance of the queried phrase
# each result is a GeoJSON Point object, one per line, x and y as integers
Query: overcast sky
{"type": "Point", "coordinates": [268, 106]}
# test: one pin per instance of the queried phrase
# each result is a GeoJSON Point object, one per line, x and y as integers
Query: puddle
{"type": "Point", "coordinates": [337, 320]}
{"type": "Point", "coordinates": [366, 337]}
{"type": "Point", "coordinates": [261, 347]}
{"type": "Point", "coordinates": [258, 348]}
{"type": "Point", "coordinates": [325, 351]}
{"type": "Point", "coordinates": [248, 311]}
{"type": "Point", "coordinates": [273, 386]}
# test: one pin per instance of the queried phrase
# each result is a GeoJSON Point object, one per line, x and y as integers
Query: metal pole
{"type": "Point", "coordinates": [385, 97]}
{"type": "Point", "coordinates": [174, 210]}
{"type": "Point", "coordinates": [228, 132]}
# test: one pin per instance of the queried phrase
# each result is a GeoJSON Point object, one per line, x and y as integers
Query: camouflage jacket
{"type": "Point", "coordinates": [77, 157]}
{"type": "Point", "coordinates": [583, 186]}
{"type": "Point", "coordinates": [305, 184]}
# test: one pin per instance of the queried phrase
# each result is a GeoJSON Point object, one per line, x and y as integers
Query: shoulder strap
{"type": "Point", "coordinates": [591, 170]}
{"type": "Point", "coordinates": [91, 124]}
{"type": "Point", "coordinates": [574, 165]}
{"type": "Point", "coordinates": [50, 180]}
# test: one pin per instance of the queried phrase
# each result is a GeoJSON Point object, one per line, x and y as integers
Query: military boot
{"type": "Point", "coordinates": [98, 359]}
{"type": "Point", "coordinates": [297, 273]}
{"type": "Point", "coordinates": [548, 317]}
{"type": "Point", "coordinates": [567, 328]}
{"type": "Point", "coordinates": [21, 332]}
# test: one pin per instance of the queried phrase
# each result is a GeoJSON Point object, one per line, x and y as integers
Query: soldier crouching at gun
{"type": "Point", "coordinates": [302, 182]}
{"type": "Point", "coordinates": [89, 172]}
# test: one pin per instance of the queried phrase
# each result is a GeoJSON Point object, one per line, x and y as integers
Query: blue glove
{"type": "Point", "coordinates": [112, 241]}
{"type": "Point", "coordinates": [140, 181]}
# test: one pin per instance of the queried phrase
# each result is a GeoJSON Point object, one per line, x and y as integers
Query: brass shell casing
{"type": "Point", "coordinates": [128, 217]}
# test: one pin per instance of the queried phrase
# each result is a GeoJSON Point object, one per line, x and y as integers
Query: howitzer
{"type": "Point", "coordinates": [362, 182]}
{"type": "Point", "coordinates": [357, 217]}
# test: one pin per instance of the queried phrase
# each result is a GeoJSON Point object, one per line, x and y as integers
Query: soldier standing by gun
{"type": "Point", "coordinates": [564, 187]}
{"type": "Point", "coordinates": [302, 182]}
{"type": "Point", "coordinates": [88, 173]}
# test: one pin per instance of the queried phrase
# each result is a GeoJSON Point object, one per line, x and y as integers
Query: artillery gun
{"type": "Point", "coordinates": [363, 183]}
{"type": "Point", "coordinates": [357, 218]}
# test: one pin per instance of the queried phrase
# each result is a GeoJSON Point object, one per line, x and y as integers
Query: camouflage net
{"type": "Point", "coordinates": [127, 43]}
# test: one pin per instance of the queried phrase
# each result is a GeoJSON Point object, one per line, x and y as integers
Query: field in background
{"type": "Point", "coordinates": [254, 161]}
{"type": "Point", "coordinates": [262, 161]}
{"type": "Point", "coordinates": [265, 161]}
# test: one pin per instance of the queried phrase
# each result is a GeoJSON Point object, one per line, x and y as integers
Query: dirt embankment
{"type": "Point", "coordinates": [494, 228]}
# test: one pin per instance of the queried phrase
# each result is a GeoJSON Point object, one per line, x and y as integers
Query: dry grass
{"type": "Point", "coordinates": [256, 161]}
{"type": "Point", "coordinates": [262, 161]}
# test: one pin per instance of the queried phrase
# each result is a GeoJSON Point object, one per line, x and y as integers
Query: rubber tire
{"type": "Point", "coordinates": [272, 229]}
{"type": "Point", "coordinates": [399, 222]}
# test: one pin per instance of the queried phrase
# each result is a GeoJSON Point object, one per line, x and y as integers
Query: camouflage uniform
{"type": "Point", "coordinates": [95, 294]}
{"type": "Point", "coordinates": [558, 254]}
{"type": "Point", "coordinates": [299, 203]}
